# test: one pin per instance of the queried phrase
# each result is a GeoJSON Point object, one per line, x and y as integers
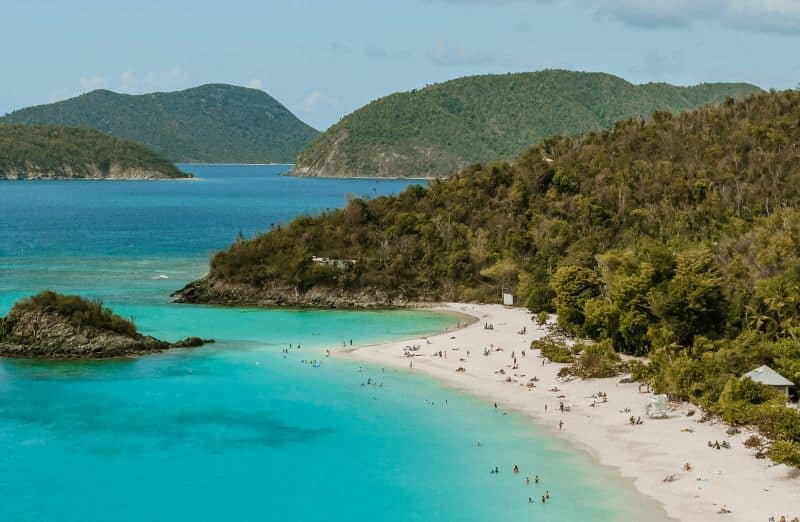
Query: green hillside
{"type": "Point", "coordinates": [440, 129]}
{"type": "Point", "coordinates": [51, 152]}
{"type": "Point", "coordinates": [678, 238]}
{"type": "Point", "coordinates": [210, 123]}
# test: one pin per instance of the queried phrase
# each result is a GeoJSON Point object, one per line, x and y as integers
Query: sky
{"type": "Point", "coordinates": [324, 59]}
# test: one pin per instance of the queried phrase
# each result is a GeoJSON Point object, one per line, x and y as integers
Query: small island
{"type": "Point", "coordinates": [36, 152]}
{"type": "Point", "coordinates": [56, 326]}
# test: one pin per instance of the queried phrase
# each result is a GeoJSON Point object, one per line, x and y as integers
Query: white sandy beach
{"type": "Point", "coordinates": [752, 489]}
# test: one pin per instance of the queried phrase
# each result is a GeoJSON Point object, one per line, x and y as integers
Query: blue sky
{"type": "Point", "coordinates": [323, 59]}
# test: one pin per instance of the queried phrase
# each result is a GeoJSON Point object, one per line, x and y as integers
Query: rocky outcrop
{"type": "Point", "coordinates": [211, 291]}
{"type": "Point", "coordinates": [48, 335]}
{"type": "Point", "coordinates": [88, 171]}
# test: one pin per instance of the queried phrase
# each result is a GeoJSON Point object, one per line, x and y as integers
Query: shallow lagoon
{"type": "Point", "coordinates": [240, 430]}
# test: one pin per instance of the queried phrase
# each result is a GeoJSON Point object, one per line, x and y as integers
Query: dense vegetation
{"type": "Point", "coordinates": [440, 129]}
{"type": "Point", "coordinates": [678, 238]}
{"type": "Point", "coordinates": [49, 151]}
{"type": "Point", "coordinates": [210, 123]}
{"type": "Point", "coordinates": [78, 311]}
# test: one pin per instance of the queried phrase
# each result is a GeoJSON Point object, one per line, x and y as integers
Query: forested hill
{"type": "Point", "coordinates": [51, 152]}
{"type": "Point", "coordinates": [211, 123]}
{"type": "Point", "coordinates": [678, 238]}
{"type": "Point", "coordinates": [726, 178]}
{"type": "Point", "coordinates": [440, 129]}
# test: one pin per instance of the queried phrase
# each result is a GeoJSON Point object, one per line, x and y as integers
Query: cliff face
{"type": "Point", "coordinates": [211, 291]}
{"type": "Point", "coordinates": [88, 171]}
{"type": "Point", "coordinates": [42, 334]}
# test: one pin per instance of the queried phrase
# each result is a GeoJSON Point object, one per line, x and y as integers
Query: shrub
{"type": "Point", "coordinates": [785, 452]}
{"type": "Point", "coordinates": [596, 361]}
{"type": "Point", "coordinates": [556, 351]}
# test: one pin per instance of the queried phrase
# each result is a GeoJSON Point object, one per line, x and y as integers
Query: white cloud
{"type": "Point", "coordinates": [134, 83]}
{"type": "Point", "coordinates": [316, 100]}
{"type": "Point", "coordinates": [90, 83]}
{"type": "Point", "coordinates": [779, 16]}
{"type": "Point", "coordinates": [255, 84]}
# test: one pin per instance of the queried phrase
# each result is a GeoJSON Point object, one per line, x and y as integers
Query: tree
{"type": "Point", "coordinates": [694, 301]}
{"type": "Point", "coordinates": [573, 286]}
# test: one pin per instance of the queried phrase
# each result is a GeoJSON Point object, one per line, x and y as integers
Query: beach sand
{"type": "Point", "coordinates": [752, 489]}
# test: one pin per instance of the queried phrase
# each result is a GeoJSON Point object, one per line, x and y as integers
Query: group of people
{"type": "Point", "coordinates": [545, 497]}
{"type": "Point", "coordinates": [784, 519]}
{"type": "Point", "coordinates": [716, 445]}
{"type": "Point", "coordinates": [371, 383]}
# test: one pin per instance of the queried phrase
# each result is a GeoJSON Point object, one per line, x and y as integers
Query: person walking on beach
{"type": "Point", "coordinates": [560, 424]}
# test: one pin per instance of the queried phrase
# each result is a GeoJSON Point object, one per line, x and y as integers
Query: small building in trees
{"type": "Point", "coordinates": [769, 377]}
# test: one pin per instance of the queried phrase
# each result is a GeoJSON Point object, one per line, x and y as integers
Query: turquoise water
{"type": "Point", "coordinates": [239, 430]}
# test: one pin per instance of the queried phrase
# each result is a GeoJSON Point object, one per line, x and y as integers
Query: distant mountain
{"type": "Point", "coordinates": [211, 123]}
{"type": "Point", "coordinates": [51, 152]}
{"type": "Point", "coordinates": [444, 127]}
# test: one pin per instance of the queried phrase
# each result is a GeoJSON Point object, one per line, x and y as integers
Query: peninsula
{"type": "Point", "coordinates": [55, 326]}
{"type": "Point", "coordinates": [51, 152]}
{"type": "Point", "coordinates": [674, 239]}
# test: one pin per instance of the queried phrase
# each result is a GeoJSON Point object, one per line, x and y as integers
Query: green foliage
{"type": "Point", "coordinates": [73, 153]}
{"type": "Point", "coordinates": [693, 302]}
{"type": "Point", "coordinates": [433, 131]}
{"type": "Point", "coordinates": [596, 361]}
{"type": "Point", "coordinates": [574, 286]}
{"type": "Point", "coordinates": [738, 400]}
{"type": "Point", "coordinates": [555, 350]}
{"type": "Point", "coordinates": [785, 452]}
{"type": "Point", "coordinates": [78, 311]}
{"type": "Point", "coordinates": [211, 123]}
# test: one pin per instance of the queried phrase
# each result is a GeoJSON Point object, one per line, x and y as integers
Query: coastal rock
{"type": "Point", "coordinates": [212, 291]}
{"type": "Point", "coordinates": [44, 332]}
{"type": "Point", "coordinates": [87, 171]}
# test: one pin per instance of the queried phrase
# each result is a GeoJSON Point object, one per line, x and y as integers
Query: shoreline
{"type": "Point", "coordinates": [645, 454]}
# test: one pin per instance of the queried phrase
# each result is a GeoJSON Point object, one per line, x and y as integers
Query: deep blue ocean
{"type": "Point", "coordinates": [239, 430]}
